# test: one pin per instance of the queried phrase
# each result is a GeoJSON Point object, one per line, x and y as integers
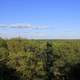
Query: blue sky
{"type": "Point", "coordinates": [62, 18]}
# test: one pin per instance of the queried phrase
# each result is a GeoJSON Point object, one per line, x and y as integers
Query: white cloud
{"type": "Point", "coordinates": [27, 26]}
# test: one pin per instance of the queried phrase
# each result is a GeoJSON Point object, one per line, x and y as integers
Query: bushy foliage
{"type": "Point", "coordinates": [39, 59]}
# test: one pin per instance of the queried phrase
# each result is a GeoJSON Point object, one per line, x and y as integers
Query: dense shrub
{"type": "Point", "coordinates": [22, 59]}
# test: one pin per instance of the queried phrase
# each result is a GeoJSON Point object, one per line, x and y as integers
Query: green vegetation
{"type": "Point", "coordinates": [22, 59]}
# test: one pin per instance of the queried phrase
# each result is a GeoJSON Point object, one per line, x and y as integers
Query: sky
{"type": "Point", "coordinates": [43, 19]}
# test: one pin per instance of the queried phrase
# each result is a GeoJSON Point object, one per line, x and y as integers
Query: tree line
{"type": "Point", "coordinates": [22, 59]}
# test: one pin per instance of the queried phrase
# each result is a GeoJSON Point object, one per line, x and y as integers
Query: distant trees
{"type": "Point", "coordinates": [69, 55]}
{"type": "Point", "coordinates": [22, 59]}
{"type": "Point", "coordinates": [3, 50]}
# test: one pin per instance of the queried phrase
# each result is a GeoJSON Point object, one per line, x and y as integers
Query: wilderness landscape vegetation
{"type": "Point", "coordinates": [23, 59]}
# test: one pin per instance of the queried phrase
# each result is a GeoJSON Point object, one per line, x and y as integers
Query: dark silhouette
{"type": "Point", "coordinates": [74, 73]}
{"type": "Point", "coordinates": [7, 73]}
{"type": "Point", "coordinates": [49, 61]}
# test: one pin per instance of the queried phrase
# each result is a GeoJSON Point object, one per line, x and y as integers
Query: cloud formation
{"type": "Point", "coordinates": [21, 26]}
